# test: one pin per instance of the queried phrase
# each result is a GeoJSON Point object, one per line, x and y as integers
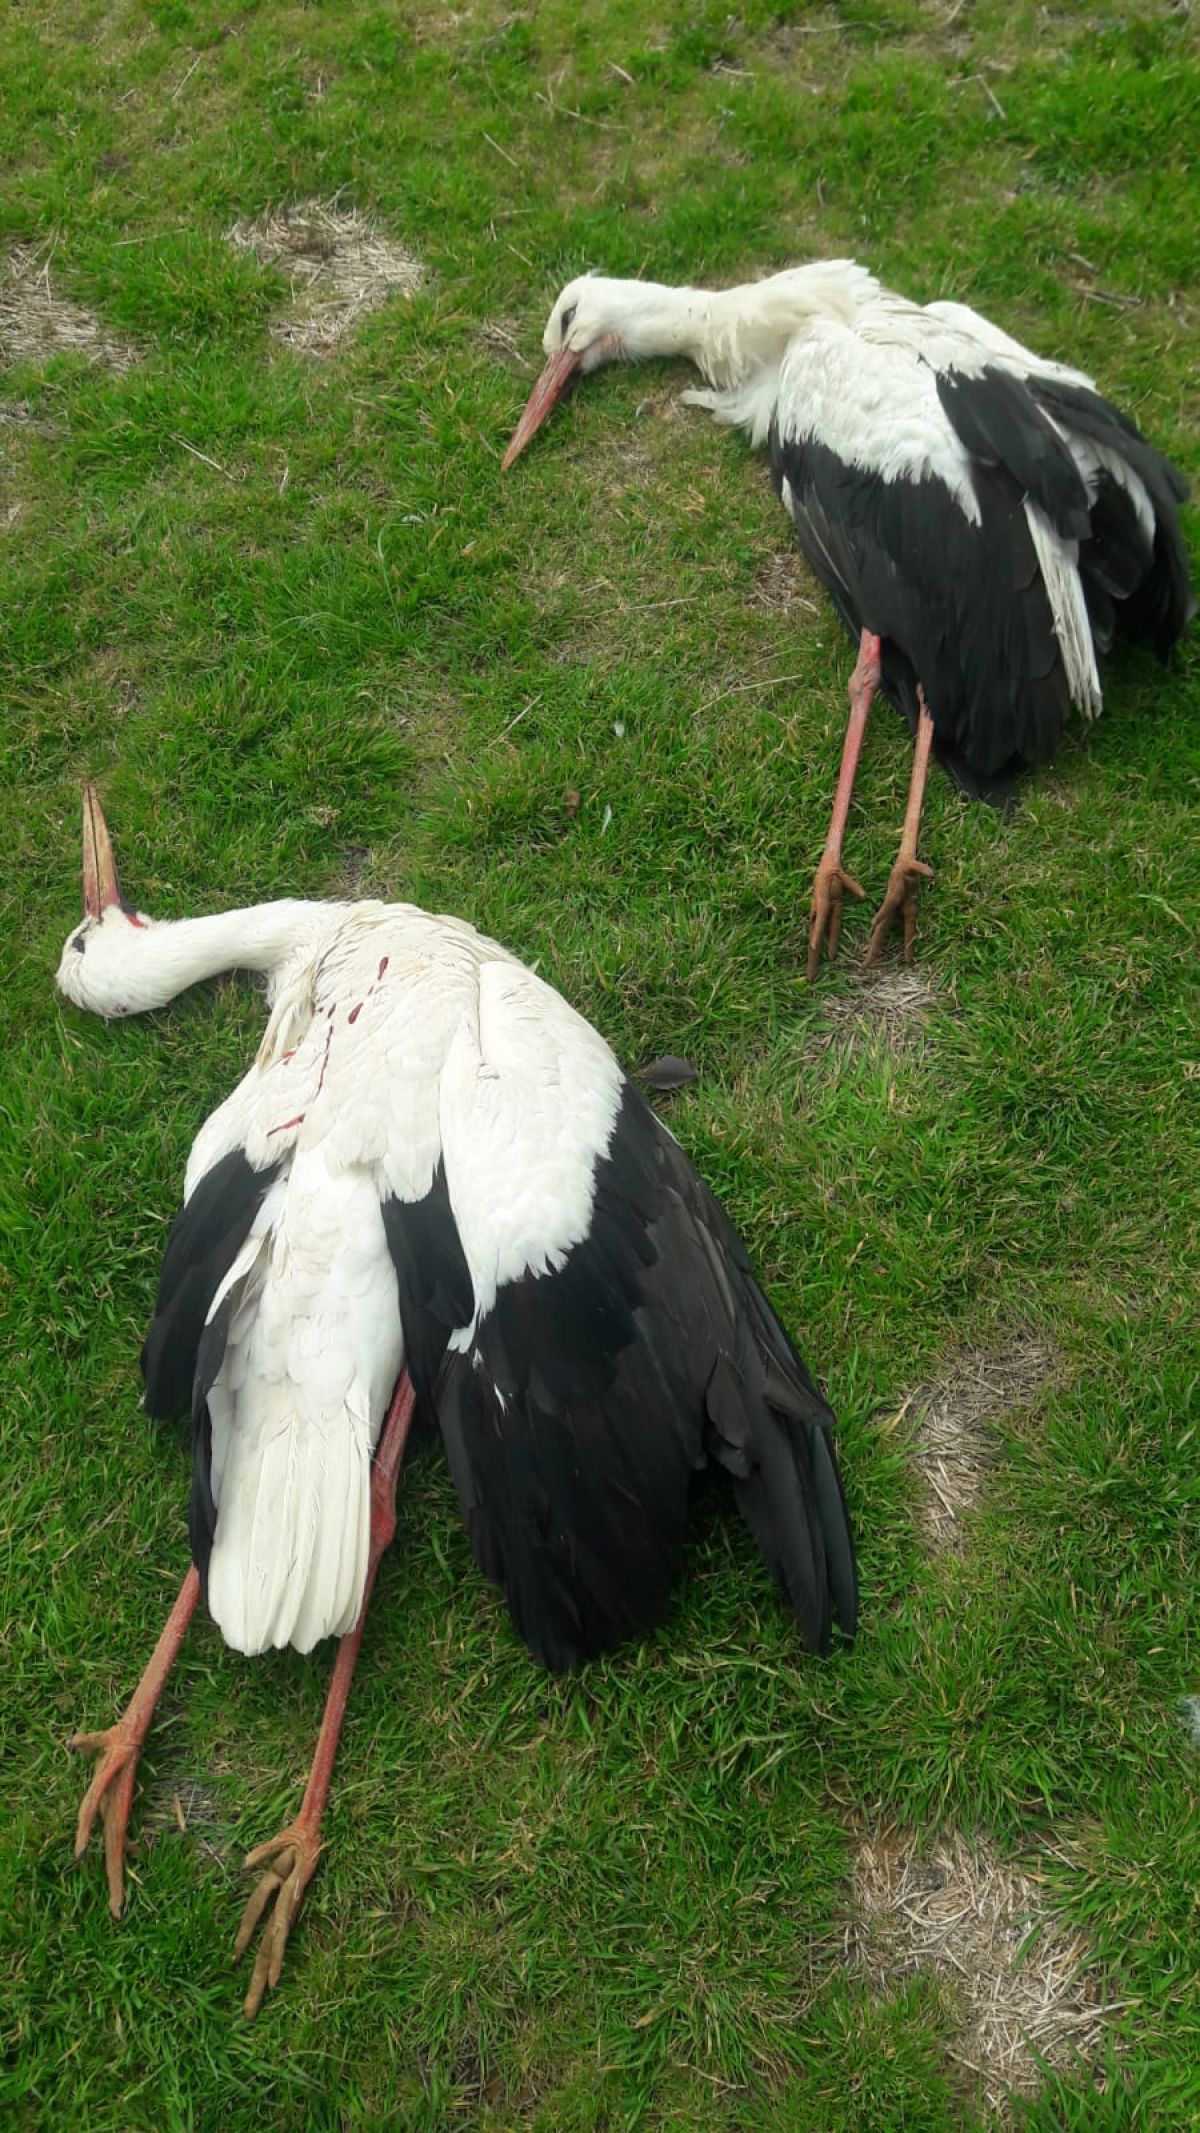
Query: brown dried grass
{"type": "Point", "coordinates": [954, 1445]}
{"type": "Point", "coordinates": [885, 1005]}
{"type": "Point", "coordinates": [1016, 1970]}
{"type": "Point", "coordinates": [338, 264]}
{"type": "Point", "coordinates": [36, 323]}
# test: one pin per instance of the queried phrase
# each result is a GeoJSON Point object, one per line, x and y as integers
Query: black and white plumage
{"type": "Point", "coordinates": [434, 1163]}
{"type": "Point", "coordinates": [984, 521]}
{"type": "Point", "coordinates": [988, 514]}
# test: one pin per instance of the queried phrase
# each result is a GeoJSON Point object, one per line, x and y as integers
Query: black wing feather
{"type": "Point", "coordinates": [1150, 582]}
{"type": "Point", "coordinates": [999, 422]}
{"type": "Point", "coordinates": [183, 1350]}
{"type": "Point", "coordinates": [205, 1239]}
{"type": "Point", "coordinates": [588, 1397]}
{"type": "Point", "coordinates": [434, 1281]}
{"type": "Point", "coordinates": [960, 608]}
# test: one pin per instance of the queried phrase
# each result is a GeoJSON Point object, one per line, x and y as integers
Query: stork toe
{"type": "Point", "coordinates": [291, 1861]}
{"type": "Point", "coordinates": [110, 1795]}
{"type": "Point", "coordinates": [900, 900]}
{"type": "Point", "coordinates": [830, 884]}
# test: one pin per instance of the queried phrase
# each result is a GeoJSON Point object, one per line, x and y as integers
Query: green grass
{"type": "Point", "coordinates": [618, 1900]}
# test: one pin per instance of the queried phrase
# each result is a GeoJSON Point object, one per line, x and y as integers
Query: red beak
{"type": "Point", "coordinates": [101, 889]}
{"type": "Point", "coordinates": [542, 401]}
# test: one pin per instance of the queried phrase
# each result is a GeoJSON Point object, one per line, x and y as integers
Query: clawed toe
{"type": "Point", "coordinates": [110, 1795]}
{"type": "Point", "coordinates": [831, 884]}
{"type": "Point", "coordinates": [900, 900]}
{"type": "Point", "coordinates": [291, 1861]}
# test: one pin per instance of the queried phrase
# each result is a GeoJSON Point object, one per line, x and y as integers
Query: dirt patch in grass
{"type": "Point", "coordinates": [1017, 1971]}
{"type": "Point", "coordinates": [506, 339]}
{"type": "Point", "coordinates": [782, 585]}
{"type": "Point", "coordinates": [953, 1438]}
{"type": "Point", "coordinates": [887, 1006]}
{"type": "Point", "coordinates": [181, 1802]}
{"type": "Point", "coordinates": [35, 322]}
{"type": "Point", "coordinates": [338, 264]}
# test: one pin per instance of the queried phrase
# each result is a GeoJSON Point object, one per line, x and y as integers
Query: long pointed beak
{"type": "Point", "coordinates": [546, 394]}
{"type": "Point", "coordinates": [101, 889]}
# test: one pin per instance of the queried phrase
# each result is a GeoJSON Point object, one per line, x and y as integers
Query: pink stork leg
{"type": "Point", "coordinates": [831, 881]}
{"type": "Point", "coordinates": [111, 1791]}
{"type": "Point", "coordinates": [294, 1853]}
{"type": "Point", "coordinates": [908, 872]}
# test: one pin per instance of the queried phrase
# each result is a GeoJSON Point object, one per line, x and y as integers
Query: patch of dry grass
{"type": "Point", "coordinates": [783, 585]}
{"type": "Point", "coordinates": [885, 1005]}
{"type": "Point", "coordinates": [953, 1440]}
{"type": "Point", "coordinates": [339, 266]}
{"type": "Point", "coordinates": [35, 322]}
{"type": "Point", "coordinates": [1017, 1972]}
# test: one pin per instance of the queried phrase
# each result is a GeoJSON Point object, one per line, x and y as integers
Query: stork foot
{"type": "Point", "coordinates": [291, 1861]}
{"type": "Point", "coordinates": [110, 1795]}
{"type": "Point", "coordinates": [830, 884]}
{"type": "Point", "coordinates": [900, 901]}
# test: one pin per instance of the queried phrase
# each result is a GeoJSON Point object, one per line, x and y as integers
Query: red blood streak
{"type": "Point", "coordinates": [287, 1125]}
{"type": "Point", "coordinates": [383, 965]}
{"type": "Point", "coordinates": [355, 1012]}
{"type": "Point", "coordinates": [325, 1061]}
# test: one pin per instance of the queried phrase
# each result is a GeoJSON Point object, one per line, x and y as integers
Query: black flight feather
{"type": "Point", "coordinates": [183, 1350]}
{"type": "Point", "coordinates": [205, 1239]}
{"type": "Point", "coordinates": [999, 422]}
{"type": "Point", "coordinates": [434, 1281]}
{"type": "Point", "coordinates": [589, 1395]}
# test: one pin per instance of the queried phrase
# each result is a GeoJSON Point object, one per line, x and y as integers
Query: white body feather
{"type": "Point", "coordinates": [397, 1041]}
{"type": "Point", "coordinates": [825, 353]}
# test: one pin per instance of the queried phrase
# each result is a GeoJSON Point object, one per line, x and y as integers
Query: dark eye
{"type": "Point", "coordinates": [568, 318]}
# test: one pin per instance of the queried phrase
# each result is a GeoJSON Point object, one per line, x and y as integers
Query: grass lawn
{"type": "Point", "coordinates": [281, 603]}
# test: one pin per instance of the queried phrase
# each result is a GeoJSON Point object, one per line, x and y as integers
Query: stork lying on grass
{"type": "Point", "coordinates": [436, 1185]}
{"type": "Point", "coordinates": [983, 521]}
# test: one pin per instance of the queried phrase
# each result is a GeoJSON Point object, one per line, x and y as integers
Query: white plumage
{"type": "Point", "coordinates": [435, 1164]}
{"type": "Point", "coordinates": [983, 519]}
{"type": "Point", "coordinates": [397, 1041]}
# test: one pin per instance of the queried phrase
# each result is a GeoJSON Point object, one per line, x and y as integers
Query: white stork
{"type": "Point", "coordinates": [983, 521]}
{"type": "Point", "coordinates": [436, 1176]}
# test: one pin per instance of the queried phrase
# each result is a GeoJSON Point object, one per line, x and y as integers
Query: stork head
{"type": "Point", "coordinates": [95, 970]}
{"type": "Point", "coordinates": [595, 320]}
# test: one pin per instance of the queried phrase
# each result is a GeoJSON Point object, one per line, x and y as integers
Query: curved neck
{"type": "Point", "coordinates": [729, 334]}
{"type": "Point", "coordinates": [175, 953]}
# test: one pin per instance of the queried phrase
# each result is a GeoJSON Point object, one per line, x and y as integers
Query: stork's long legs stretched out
{"type": "Point", "coordinates": [294, 1853]}
{"type": "Point", "coordinates": [110, 1793]}
{"type": "Point", "coordinates": [831, 880]}
{"type": "Point", "coordinates": [291, 1857]}
{"type": "Point", "coordinates": [908, 872]}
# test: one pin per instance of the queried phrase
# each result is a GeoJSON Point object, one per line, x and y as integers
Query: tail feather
{"type": "Point", "coordinates": [288, 1559]}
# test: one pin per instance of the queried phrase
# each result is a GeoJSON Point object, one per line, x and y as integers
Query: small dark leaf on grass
{"type": "Point", "coordinates": [668, 1073]}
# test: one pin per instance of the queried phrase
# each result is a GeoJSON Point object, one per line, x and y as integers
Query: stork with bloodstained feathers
{"type": "Point", "coordinates": [984, 521]}
{"type": "Point", "coordinates": [435, 1185]}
